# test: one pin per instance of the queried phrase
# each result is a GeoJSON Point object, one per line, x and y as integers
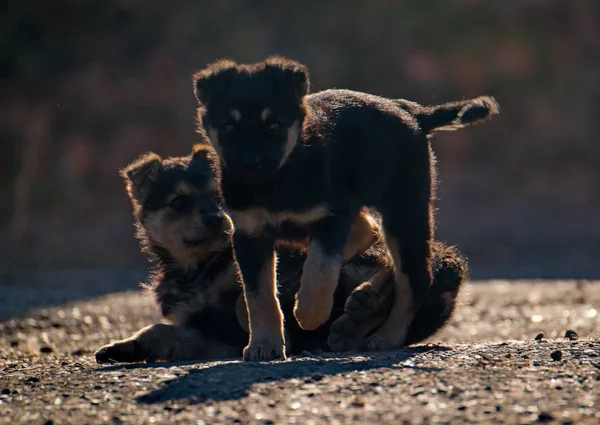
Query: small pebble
{"type": "Point", "coordinates": [572, 335]}
{"type": "Point", "coordinates": [357, 402]}
{"type": "Point", "coordinates": [539, 336]}
{"type": "Point", "coordinates": [556, 355]}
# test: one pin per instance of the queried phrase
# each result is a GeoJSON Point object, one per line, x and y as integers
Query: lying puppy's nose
{"type": "Point", "coordinates": [213, 221]}
{"type": "Point", "coordinates": [251, 162]}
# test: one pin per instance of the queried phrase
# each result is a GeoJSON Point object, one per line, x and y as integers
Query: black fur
{"type": "Point", "coordinates": [337, 149]}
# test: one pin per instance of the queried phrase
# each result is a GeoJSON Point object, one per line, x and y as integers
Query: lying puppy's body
{"type": "Point", "coordinates": [297, 164]}
{"type": "Point", "coordinates": [194, 280]}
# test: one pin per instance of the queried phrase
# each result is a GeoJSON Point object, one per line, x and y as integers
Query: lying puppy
{"type": "Point", "coordinates": [295, 164]}
{"type": "Point", "coordinates": [187, 237]}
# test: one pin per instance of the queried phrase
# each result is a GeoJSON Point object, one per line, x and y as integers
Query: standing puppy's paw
{"type": "Point", "coordinates": [344, 334]}
{"type": "Point", "coordinates": [264, 351]}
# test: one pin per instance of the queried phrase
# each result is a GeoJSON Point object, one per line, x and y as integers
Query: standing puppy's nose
{"type": "Point", "coordinates": [213, 221]}
{"type": "Point", "coordinates": [251, 162]}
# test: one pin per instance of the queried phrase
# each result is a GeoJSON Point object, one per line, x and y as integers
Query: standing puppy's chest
{"type": "Point", "coordinates": [258, 220]}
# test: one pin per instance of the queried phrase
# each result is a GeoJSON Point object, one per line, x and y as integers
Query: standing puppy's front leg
{"type": "Point", "coordinates": [321, 270]}
{"type": "Point", "coordinates": [255, 256]}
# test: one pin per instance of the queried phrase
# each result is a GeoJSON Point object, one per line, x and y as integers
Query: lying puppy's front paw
{"type": "Point", "coordinates": [311, 311]}
{"type": "Point", "coordinates": [264, 351]}
{"type": "Point", "coordinates": [362, 304]}
{"type": "Point", "coordinates": [378, 342]}
{"type": "Point", "coordinates": [344, 334]}
{"type": "Point", "coordinates": [126, 351]}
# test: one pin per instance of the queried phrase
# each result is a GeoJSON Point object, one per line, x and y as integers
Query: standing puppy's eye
{"type": "Point", "coordinates": [274, 127]}
{"type": "Point", "coordinates": [228, 127]}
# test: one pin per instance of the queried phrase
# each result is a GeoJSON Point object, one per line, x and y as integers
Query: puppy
{"type": "Point", "coordinates": [186, 235]}
{"type": "Point", "coordinates": [295, 163]}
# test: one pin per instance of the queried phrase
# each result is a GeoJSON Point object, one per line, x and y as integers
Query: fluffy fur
{"type": "Point", "coordinates": [297, 164]}
{"type": "Point", "coordinates": [186, 235]}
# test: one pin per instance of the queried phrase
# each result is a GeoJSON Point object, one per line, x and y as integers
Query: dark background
{"type": "Point", "coordinates": [86, 86]}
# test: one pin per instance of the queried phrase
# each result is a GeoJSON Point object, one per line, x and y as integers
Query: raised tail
{"type": "Point", "coordinates": [452, 115]}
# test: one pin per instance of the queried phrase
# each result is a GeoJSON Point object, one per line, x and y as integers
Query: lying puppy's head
{"type": "Point", "coordinates": [176, 205]}
{"type": "Point", "coordinates": [252, 114]}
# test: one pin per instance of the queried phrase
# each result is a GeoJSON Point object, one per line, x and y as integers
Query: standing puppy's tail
{"type": "Point", "coordinates": [453, 115]}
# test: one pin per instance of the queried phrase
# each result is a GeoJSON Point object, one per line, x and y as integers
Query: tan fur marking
{"type": "Point", "coordinates": [266, 113]}
{"type": "Point", "coordinates": [253, 220]}
{"type": "Point", "coordinates": [363, 234]}
{"type": "Point", "coordinates": [293, 134]}
{"type": "Point", "coordinates": [264, 313]}
{"type": "Point", "coordinates": [236, 115]}
{"type": "Point", "coordinates": [318, 282]}
{"type": "Point", "coordinates": [163, 231]}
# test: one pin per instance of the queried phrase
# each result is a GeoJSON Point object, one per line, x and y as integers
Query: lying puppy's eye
{"type": "Point", "coordinates": [274, 127]}
{"type": "Point", "coordinates": [181, 203]}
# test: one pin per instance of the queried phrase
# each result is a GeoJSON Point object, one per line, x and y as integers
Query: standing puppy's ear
{"type": "Point", "coordinates": [289, 74]}
{"type": "Point", "coordinates": [212, 79]}
{"type": "Point", "coordinates": [140, 175]}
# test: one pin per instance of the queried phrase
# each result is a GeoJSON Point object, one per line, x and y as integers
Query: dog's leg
{"type": "Point", "coordinates": [372, 297]}
{"type": "Point", "coordinates": [241, 312]}
{"type": "Point", "coordinates": [255, 257]}
{"type": "Point", "coordinates": [347, 334]}
{"type": "Point", "coordinates": [364, 232]}
{"type": "Point", "coordinates": [162, 342]}
{"type": "Point", "coordinates": [321, 270]}
{"type": "Point", "coordinates": [407, 217]}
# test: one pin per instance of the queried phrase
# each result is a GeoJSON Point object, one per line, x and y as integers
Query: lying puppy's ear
{"type": "Point", "coordinates": [212, 79]}
{"type": "Point", "coordinates": [205, 156]}
{"type": "Point", "coordinates": [140, 175]}
{"type": "Point", "coordinates": [289, 74]}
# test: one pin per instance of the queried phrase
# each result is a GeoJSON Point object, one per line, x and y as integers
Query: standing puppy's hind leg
{"type": "Point", "coordinates": [364, 232]}
{"type": "Point", "coordinates": [407, 224]}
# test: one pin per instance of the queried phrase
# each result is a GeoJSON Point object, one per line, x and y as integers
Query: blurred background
{"type": "Point", "coordinates": [87, 86]}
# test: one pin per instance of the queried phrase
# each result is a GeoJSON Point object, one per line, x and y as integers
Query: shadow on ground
{"type": "Point", "coordinates": [26, 290]}
{"type": "Point", "coordinates": [233, 380]}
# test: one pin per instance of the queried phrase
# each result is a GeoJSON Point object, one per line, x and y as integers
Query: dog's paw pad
{"type": "Point", "coordinates": [361, 304]}
{"type": "Point", "coordinates": [343, 334]}
{"type": "Point", "coordinates": [378, 343]}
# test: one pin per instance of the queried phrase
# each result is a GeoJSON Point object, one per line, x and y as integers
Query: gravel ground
{"type": "Point", "coordinates": [484, 367]}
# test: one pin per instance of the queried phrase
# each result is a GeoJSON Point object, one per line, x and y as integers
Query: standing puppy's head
{"type": "Point", "coordinates": [252, 114]}
{"type": "Point", "coordinates": [176, 205]}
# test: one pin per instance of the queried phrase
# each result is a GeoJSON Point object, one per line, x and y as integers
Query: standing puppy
{"type": "Point", "coordinates": [295, 164]}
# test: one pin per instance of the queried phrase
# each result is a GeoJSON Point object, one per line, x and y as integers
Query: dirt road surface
{"type": "Point", "coordinates": [484, 367]}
